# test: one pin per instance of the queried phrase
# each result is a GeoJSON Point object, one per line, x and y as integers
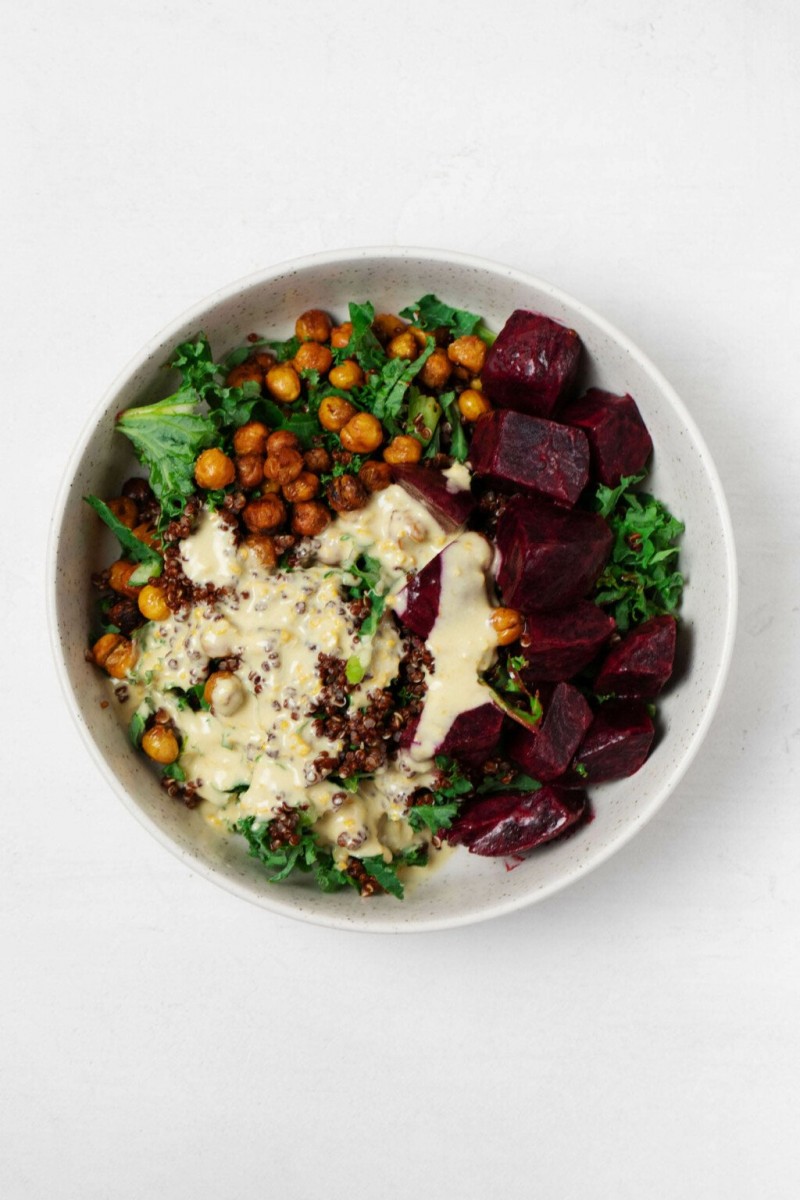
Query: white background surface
{"type": "Point", "coordinates": [636, 1036]}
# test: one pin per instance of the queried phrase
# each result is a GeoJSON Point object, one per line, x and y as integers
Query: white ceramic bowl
{"type": "Point", "coordinates": [466, 888]}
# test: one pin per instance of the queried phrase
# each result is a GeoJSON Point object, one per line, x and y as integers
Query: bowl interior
{"type": "Point", "coordinates": [465, 888]}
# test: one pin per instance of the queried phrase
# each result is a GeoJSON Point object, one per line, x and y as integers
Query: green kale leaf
{"type": "Point", "coordinates": [139, 551]}
{"type": "Point", "coordinates": [363, 346]}
{"type": "Point", "coordinates": [459, 446]}
{"type": "Point", "coordinates": [429, 313]}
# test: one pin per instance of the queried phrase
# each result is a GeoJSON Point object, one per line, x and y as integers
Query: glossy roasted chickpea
{"type": "Point", "coordinates": [250, 438]}
{"type": "Point", "coordinates": [153, 603]}
{"type": "Point", "coordinates": [310, 518]}
{"type": "Point", "coordinates": [246, 372]}
{"type": "Point", "coordinates": [388, 325]}
{"type": "Point", "coordinates": [264, 549]}
{"type": "Point", "coordinates": [403, 449]}
{"type": "Point", "coordinates": [334, 413]}
{"type": "Point", "coordinates": [223, 693]}
{"type": "Point", "coordinates": [282, 439]}
{"type": "Point", "coordinates": [436, 370]}
{"type": "Point", "coordinates": [160, 744]}
{"type": "Point", "coordinates": [314, 325]}
{"type": "Point", "coordinates": [264, 515]}
{"type": "Point", "coordinates": [104, 645]}
{"type": "Point", "coordinates": [473, 404]}
{"type": "Point", "coordinates": [283, 383]}
{"type": "Point", "coordinates": [347, 375]}
{"type": "Point", "coordinates": [270, 487]}
{"type": "Point", "coordinates": [375, 475]}
{"type": "Point", "coordinates": [304, 487]}
{"type": "Point", "coordinates": [317, 459]}
{"type": "Point", "coordinates": [346, 493]}
{"type": "Point", "coordinates": [362, 434]}
{"type": "Point", "coordinates": [249, 471]}
{"type": "Point", "coordinates": [508, 624]}
{"type": "Point", "coordinates": [147, 534]}
{"type": "Point", "coordinates": [125, 510]}
{"type": "Point", "coordinates": [264, 359]}
{"type": "Point", "coordinates": [121, 659]}
{"type": "Point", "coordinates": [468, 352]}
{"type": "Point", "coordinates": [283, 465]}
{"type": "Point", "coordinates": [404, 345]}
{"type": "Point", "coordinates": [119, 574]}
{"type": "Point", "coordinates": [341, 334]}
{"type": "Point", "coordinates": [214, 470]}
{"type": "Point", "coordinates": [313, 356]}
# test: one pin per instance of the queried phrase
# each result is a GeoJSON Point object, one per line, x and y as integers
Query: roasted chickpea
{"type": "Point", "coordinates": [282, 439]}
{"type": "Point", "coordinates": [334, 413]}
{"type": "Point", "coordinates": [420, 335]}
{"type": "Point", "coordinates": [375, 475]}
{"type": "Point", "coordinates": [124, 613]}
{"type": "Point", "coordinates": [153, 603]}
{"type": "Point", "coordinates": [317, 460]}
{"type": "Point", "coordinates": [473, 404]}
{"type": "Point", "coordinates": [265, 515]}
{"type": "Point", "coordinates": [468, 352]}
{"type": "Point", "coordinates": [436, 371]}
{"type": "Point", "coordinates": [387, 326]}
{"type": "Point", "coordinates": [147, 534]}
{"type": "Point", "coordinates": [310, 518]}
{"type": "Point", "coordinates": [313, 356]}
{"type": "Point", "coordinates": [508, 624]}
{"type": "Point", "coordinates": [160, 744]}
{"type": "Point", "coordinates": [264, 549]}
{"type": "Point", "coordinates": [341, 334]}
{"type": "Point", "coordinates": [403, 449]}
{"type": "Point", "coordinates": [125, 510]}
{"type": "Point", "coordinates": [119, 574]}
{"type": "Point", "coordinates": [104, 645]}
{"type": "Point", "coordinates": [404, 345]}
{"type": "Point", "coordinates": [250, 438]}
{"type": "Point", "coordinates": [264, 359]}
{"type": "Point", "coordinates": [283, 383]}
{"type": "Point", "coordinates": [283, 465]}
{"type": "Point", "coordinates": [362, 434]}
{"type": "Point", "coordinates": [249, 470]}
{"type": "Point", "coordinates": [347, 375]}
{"type": "Point", "coordinates": [270, 487]}
{"type": "Point", "coordinates": [121, 659]}
{"type": "Point", "coordinates": [246, 372]}
{"type": "Point", "coordinates": [304, 487]}
{"type": "Point", "coordinates": [138, 490]}
{"type": "Point", "coordinates": [346, 493]}
{"type": "Point", "coordinates": [313, 326]}
{"type": "Point", "coordinates": [214, 469]}
{"type": "Point", "coordinates": [223, 693]}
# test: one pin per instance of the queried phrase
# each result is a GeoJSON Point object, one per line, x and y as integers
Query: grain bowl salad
{"type": "Point", "coordinates": [388, 587]}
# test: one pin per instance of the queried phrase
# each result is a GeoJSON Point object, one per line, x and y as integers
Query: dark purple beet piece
{"type": "Point", "coordinates": [512, 822]}
{"type": "Point", "coordinates": [557, 645]}
{"type": "Point", "coordinates": [516, 451]}
{"type": "Point", "coordinates": [546, 751]}
{"type": "Point", "coordinates": [531, 364]}
{"type": "Point", "coordinates": [450, 507]}
{"type": "Point", "coordinates": [639, 665]}
{"type": "Point", "coordinates": [615, 746]}
{"type": "Point", "coordinates": [618, 437]}
{"type": "Point", "coordinates": [473, 735]}
{"type": "Point", "coordinates": [418, 603]}
{"type": "Point", "coordinates": [550, 557]}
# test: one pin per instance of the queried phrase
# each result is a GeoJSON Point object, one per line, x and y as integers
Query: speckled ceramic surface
{"type": "Point", "coordinates": [465, 888]}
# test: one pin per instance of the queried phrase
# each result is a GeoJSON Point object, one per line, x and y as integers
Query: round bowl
{"type": "Point", "coordinates": [465, 888]}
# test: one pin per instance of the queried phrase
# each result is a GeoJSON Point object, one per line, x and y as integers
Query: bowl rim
{"type": "Point", "coordinates": [346, 256]}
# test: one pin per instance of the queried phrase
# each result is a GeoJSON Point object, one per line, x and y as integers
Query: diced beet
{"type": "Point", "coordinates": [516, 451]}
{"type": "Point", "coordinates": [532, 363]}
{"type": "Point", "coordinates": [550, 557]}
{"type": "Point", "coordinates": [615, 746]}
{"type": "Point", "coordinates": [639, 665]}
{"type": "Point", "coordinates": [450, 506]}
{"type": "Point", "coordinates": [417, 604]}
{"type": "Point", "coordinates": [512, 822]}
{"type": "Point", "coordinates": [557, 645]}
{"type": "Point", "coordinates": [618, 437]}
{"type": "Point", "coordinates": [546, 751]}
{"type": "Point", "coordinates": [473, 735]}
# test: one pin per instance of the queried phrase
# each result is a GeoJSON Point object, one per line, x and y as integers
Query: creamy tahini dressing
{"type": "Point", "coordinates": [258, 736]}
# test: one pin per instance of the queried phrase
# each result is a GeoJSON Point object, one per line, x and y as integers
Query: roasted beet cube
{"type": "Point", "coordinates": [417, 604]}
{"type": "Point", "coordinates": [546, 751]}
{"type": "Point", "coordinates": [615, 746]}
{"type": "Point", "coordinates": [449, 505]}
{"type": "Point", "coordinates": [512, 822]}
{"type": "Point", "coordinates": [516, 452]}
{"type": "Point", "coordinates": [557, 645]}
{"type": "Point", "coordinates": [473, 735]}
{"type": "Point", "coordinates": [532, 363]}
{"type": "Point", "coordinates": [618, 437]}
{"type": "Point", "coordinates": [549, 557]}
{"type": "Point", "coordinates": [639, 665]}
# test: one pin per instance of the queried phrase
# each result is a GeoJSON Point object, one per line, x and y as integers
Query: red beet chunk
{"type": "Point", "coordinates": [516, 451]}
{"type": "Point", "coordinates": [546, 751]}
{"type": "Point", "coordinates": [531, 364]}
{"type": "Point", "coordinates": [418, 603]}
{"type": "Point", "coordinates": [615, 746]}
{"type": "Point", "coordinates": [557, 645]}
{"type": "Point", "coordinates": [473, 735]}
{"type": "Point", "coordinates": [639, 665]}
{"type": "Point", "coordinates": [618, 437]}
{"type": "Point", "coordinates": [449, 506]}
{"type": "Point", "coordinates": [512, 822]}
{"type": "Point", "coordinates": [550, 557]}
